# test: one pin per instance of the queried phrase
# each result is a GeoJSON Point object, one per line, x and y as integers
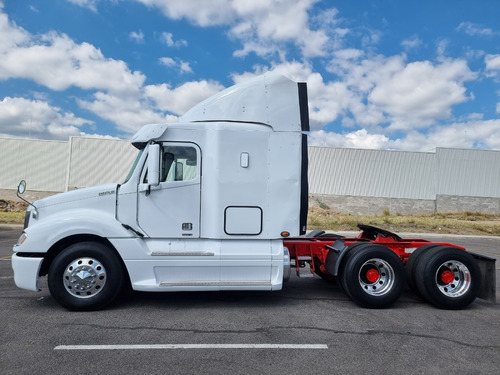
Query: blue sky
{"type": "Point", "coordinates": [381, 74]}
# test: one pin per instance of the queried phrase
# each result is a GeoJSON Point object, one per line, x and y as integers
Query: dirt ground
{"type": "Point", "coordinates": [12, 206]}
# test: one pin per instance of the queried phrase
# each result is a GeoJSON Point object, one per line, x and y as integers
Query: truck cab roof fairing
{"type": "Point", "coordinates": [270, 99]}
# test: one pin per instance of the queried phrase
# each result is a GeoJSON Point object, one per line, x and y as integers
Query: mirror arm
{"type": "Point", "coordinates": [23, 183]}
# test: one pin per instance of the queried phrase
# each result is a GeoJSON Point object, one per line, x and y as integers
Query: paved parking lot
{"type": "Point", "coordinates": [308, 327]}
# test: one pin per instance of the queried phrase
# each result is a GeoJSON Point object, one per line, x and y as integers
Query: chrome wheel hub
{"type": "Point", "coordinates": [376, 277]}
{"type": "Point", "coordinates": [453, 278]}
{"type": "Point", "coordinates": [84, 277]}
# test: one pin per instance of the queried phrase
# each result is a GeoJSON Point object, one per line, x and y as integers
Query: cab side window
{"type": "Point", "coordinates": [179, 163]}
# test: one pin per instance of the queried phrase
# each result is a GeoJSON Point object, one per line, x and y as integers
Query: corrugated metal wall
{"type": "Point", "coordinates": [44, 164]}
{"type": "Point", "coordinates": [400, 174]}
{"type": "Point", "coordinates": [468, 172]}
{"type": "Point", "coordinates": [97, 161]}
{"type": "Point", "coordinates": [56, 166]}
{"type": "Point", "coordinates": [372, 173]}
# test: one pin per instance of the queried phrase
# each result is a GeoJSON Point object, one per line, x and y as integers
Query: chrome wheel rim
{"type": "Point", "coordinates": [84, 277]}
{"type": "Point", "coordinates": [376, 277]}
{"type": "Point", "coordinates": [453, 278]}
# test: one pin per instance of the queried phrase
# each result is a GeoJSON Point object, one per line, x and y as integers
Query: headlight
{"type": "Point", "coordinates": [21, 239]}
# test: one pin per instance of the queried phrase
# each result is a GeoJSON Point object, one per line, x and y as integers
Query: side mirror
{"type": "Point", "coordinates": [154, 165]}
{"type": "Point", "coordinates": [21, 188]}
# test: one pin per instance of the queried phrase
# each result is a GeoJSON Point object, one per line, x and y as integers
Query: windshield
{"type": "Point", "coordinates": [134, 166]}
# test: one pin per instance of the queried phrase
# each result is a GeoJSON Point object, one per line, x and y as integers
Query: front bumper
{"type": "Point", "coordinates": [26, 271]}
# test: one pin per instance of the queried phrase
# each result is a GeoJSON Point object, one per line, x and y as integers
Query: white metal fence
{"type": "Point", "coordinates": [401, 174]}
{"type": "Point", "coordinates": [57, 166]}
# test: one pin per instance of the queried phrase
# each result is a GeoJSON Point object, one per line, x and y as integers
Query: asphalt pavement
{"type": "Point", "coordinates": [310, 326]}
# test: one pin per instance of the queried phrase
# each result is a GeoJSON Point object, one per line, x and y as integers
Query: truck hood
{"type": "Point", "coordinates": [92, 196]}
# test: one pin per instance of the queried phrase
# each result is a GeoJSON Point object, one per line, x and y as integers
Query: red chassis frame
{"type": "Point", "coordinates": [316, 249]}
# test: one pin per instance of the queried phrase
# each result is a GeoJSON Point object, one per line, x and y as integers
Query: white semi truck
{"type": "Point", "coordinates": [218, 201]}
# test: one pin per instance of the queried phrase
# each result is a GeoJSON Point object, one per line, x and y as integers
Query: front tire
{"type": "Point", "coordinates": [86, 276]}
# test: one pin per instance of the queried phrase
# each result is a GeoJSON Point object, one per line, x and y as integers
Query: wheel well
{"type": "Point", "coordinates": [68, 241]}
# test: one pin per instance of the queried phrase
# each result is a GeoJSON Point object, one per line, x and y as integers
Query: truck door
{"type": "Point", "coordinates": [172, 209]}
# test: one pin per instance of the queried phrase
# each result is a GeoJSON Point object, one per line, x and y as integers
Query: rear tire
{"type": "Point", "coordinates": [411, 266]}
{"type": "Point", "coordinates": [448, 278]}
{"type": "Point", "coordinates": [373, 276]}
{"type": "Point", "coordinates": [86, 276]}
{"type": "Point", "coordinates": [340, 275]}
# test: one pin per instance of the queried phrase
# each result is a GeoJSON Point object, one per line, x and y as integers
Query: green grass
{"type": "Point", "coordinates": [11, 217]}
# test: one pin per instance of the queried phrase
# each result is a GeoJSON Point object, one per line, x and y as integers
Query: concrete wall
{"type": "Point", "coordinates": [455, 203]}
{"type": "Point", "coordinates": [373, 205]}
{"type": "Point", "coordinates": [376, 205]}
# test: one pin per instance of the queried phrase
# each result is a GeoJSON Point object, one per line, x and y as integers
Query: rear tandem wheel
{"type": "Point", "coordinates": [448, 277]}
{"type": "Point", "coordinates": [372, 275]}
{"type": "Point", "coordinates": [411, 266]}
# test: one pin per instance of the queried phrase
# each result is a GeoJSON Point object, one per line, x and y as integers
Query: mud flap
{"type": "Point", "coordinates": [335, 255]}
{"type": "Point", "coordinates": [488, 276]}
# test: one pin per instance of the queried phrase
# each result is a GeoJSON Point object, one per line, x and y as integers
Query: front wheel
{"type": "Point", "coordinates": [373, 276]}
{"type": "Point", "coordinates": [85, 276]}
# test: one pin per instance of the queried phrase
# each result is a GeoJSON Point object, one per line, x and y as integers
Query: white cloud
{"type": "Point", "coordinates": [357, 139]}
{"type": "Point", "coordinates": [471, 134]}
{"type": "Point", "coordinates": [384, 90]}
{"type": "Point", "coordinates": [12, 34]}
{"type": "Point", "coordinates": [167, 61]}
{"type": "Point", "coordinates": [368, 98]}
{"type": "Point", "coordinates": [326, 100]}
{"type": "Point", "coordinates": [137, 36]}
{"type": "Point", "coordinates": [168, 39]}
{"type": "Point", "coordinates": [476, 30]}
{"type": "Point", "coordinates": [377, 95]}
{"type": "Point", "coordinates": [261, 25]}
{"type": "Point", "coordinates": [207, 13]}
{"type": "Point", "coordinates": [35, 118]}
{"type": "Point", "coordinates": [179, 99]}
{"type": "Point", "coordinates": [184, 67]}
{"type": "Point", "coordinates": [492, 63]}
{"type": "Point", "coordinates": [57, 62]}
{"type": "Point", "coordinates": [420, 93]}
{"type": "Point", "coordinates": [129, 114]}
{"type": "Point", "coordinates": [89, 4]}
{"type": "Point", "coordinates": [412, 42]}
